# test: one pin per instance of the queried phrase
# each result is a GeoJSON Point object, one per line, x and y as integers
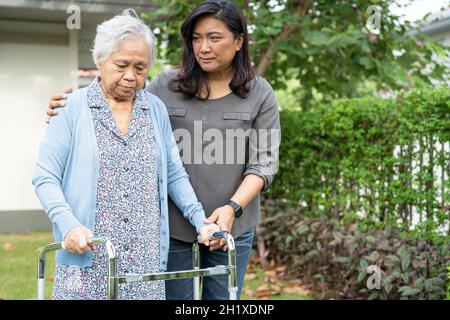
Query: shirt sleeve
{"type": "Point", "coordinates": [153, 86]}
{"type": "Point", "coordinates": [265, 140]}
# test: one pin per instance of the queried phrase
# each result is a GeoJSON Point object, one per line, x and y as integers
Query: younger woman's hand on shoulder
{"type": "Point", "coordinates": [57, 101]}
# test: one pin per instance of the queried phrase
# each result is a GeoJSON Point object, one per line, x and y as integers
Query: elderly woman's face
{"type": "Point", "coordinates": [214, 45]}
{"type": "Point", "coordinates": [125, 70]}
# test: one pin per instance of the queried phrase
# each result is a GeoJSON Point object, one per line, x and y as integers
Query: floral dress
{"type": "Point", "coordinates": [127, 211]}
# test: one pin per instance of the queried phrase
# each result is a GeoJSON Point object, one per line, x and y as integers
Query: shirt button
{"type": "Point", "coordinates": [163, 247]}
{"type": "Point", "coordinates": [125, 220]}
{"type": "Point", "coordinates": [127, 168]}
{"type": "Point", "coordinates": [163, 233]}
{"type": "Point", "coordinates": [125, 248]}
{"type": "Point", "coordinates": [125, 195]}
{"type": "Point", "coordinates": [162, 198]}
{"type": "Point", "coordinates": [163, 262]}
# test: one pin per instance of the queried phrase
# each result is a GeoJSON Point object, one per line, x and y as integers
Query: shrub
{"type": "Point", "coordinates": [384, 162]}
{"type": "Point", "coordinates": [335, 257]}
{"type": "Point", "coordinates": [448, 284]}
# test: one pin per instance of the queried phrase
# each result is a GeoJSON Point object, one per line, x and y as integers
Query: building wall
{"type": "Point", "coordinates": [35, 60]}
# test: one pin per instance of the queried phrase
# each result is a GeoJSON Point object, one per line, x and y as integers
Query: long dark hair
{"type": "Point", "coordinates": [191, 79]}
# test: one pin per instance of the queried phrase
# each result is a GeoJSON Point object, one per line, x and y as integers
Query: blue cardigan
{"type": "Point", "coordinates": [66, 174]}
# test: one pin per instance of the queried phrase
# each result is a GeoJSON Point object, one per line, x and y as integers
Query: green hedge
{"type": "Point", "coordinates": [381, 161]}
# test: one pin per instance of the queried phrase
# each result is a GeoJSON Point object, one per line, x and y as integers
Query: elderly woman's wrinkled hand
{"type": "Point", "coordinates": [206, 230]}
{"type": "Point", "coordinates": [76, 240]}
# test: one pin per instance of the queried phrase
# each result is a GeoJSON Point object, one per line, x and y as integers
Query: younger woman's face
{"type": "Point", "coordinates": [214, 45]}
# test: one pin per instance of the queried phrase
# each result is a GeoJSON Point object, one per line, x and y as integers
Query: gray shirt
{"type": "Point", "coordinates": [221, 141]}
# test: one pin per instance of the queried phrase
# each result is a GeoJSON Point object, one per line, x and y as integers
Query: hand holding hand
{"type": "Point", "coordinates": [205, 232]}
{"type": "Point", "coordinates": [224, 217]}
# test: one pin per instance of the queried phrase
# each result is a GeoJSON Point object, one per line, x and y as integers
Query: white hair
{"type": "Point", "coordinates": [111, 33]}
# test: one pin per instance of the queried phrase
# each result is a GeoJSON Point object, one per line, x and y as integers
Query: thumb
{"type": "Point", "coordinates": [82, 242]}
{"type": "Point", "coordinates": [212, 218]}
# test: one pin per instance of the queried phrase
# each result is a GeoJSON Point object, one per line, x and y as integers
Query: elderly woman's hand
{"type": "Point", "coordinates": [205, 230]}
{"type": "Point", "coordinates": [224, 217]}
{"type": "Point", "coordinates": [76, 240]}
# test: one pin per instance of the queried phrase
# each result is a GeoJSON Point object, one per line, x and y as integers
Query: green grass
{"type": "Point", "coordinates": [18, 265]}
{"type": "Point", "coordinates": [18, 269]}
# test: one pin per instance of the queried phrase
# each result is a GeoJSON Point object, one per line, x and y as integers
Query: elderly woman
{"type": "Point", "coordinates": [106, 166]}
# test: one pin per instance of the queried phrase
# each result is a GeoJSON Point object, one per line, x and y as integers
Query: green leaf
{"type": "Point", "coordinates": [434, 288]}
{"type": "Point", "coordinates": [302, 229]}
{"type": "Point", "coordinates": [393, 258]}
{"type": "Point", "coordinates": [401, 251]}
{"type": "Point", "coordinates": [343, 259]}
{"type": "Point", "coordinates": [436, 281]}
{"type": "Point", "coordinates": [373, 295]}
{"type": "Point", "coordinates": [388, 280]}
{"type": "Point", "coordinates": [419, 282]}
{"type": "Point", "coordinates": [388, 288]}
{"type": "Point", "coordinates": [406, 260]}
{"type": "Point", "coordinates": [410, 292]}
{"type": "Point", "coordinates": [403, 288]}
{"type": "Point", "coordinates": [405, 277]}
{"type": "Point", "coordinates": [363, 264]}
{"type": "Point", "coordinates": [374, 256]}
{"type": "Point", "coordinates": [367, 63]}
{"type": "Point", "coordinates": [361, 276]}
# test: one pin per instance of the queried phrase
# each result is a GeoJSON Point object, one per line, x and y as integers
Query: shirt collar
{"type": "Point", "coordinates": [97, 98]}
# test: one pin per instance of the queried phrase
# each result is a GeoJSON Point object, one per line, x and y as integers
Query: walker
{"type": "Point", "coordinates": [114, 279]}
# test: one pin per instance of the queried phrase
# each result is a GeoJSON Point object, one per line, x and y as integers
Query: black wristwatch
{"type": "Point", "coordinates": [237, 208]}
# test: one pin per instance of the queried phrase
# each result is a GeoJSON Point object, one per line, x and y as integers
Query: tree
{"type": "Point", "coordinates": [326, 45]}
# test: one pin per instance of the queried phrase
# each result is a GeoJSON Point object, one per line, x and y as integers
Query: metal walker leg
{"type": "Point", "coordinates": [232, 274]}
{"type": "Point", "coordinates": [112, 285]}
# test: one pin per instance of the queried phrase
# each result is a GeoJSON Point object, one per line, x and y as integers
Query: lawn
{"type": "Point", "coordinates": [18, 264]}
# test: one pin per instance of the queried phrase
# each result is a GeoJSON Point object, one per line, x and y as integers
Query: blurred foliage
{"type": "Point", "coordinates": [448, 283]}
{"type": "Point", "coordinates": [363, 182]}
{"type": "Point", "coordinates": [384, 161]}
{"type": "Point", "coordinates": [328, 47]}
